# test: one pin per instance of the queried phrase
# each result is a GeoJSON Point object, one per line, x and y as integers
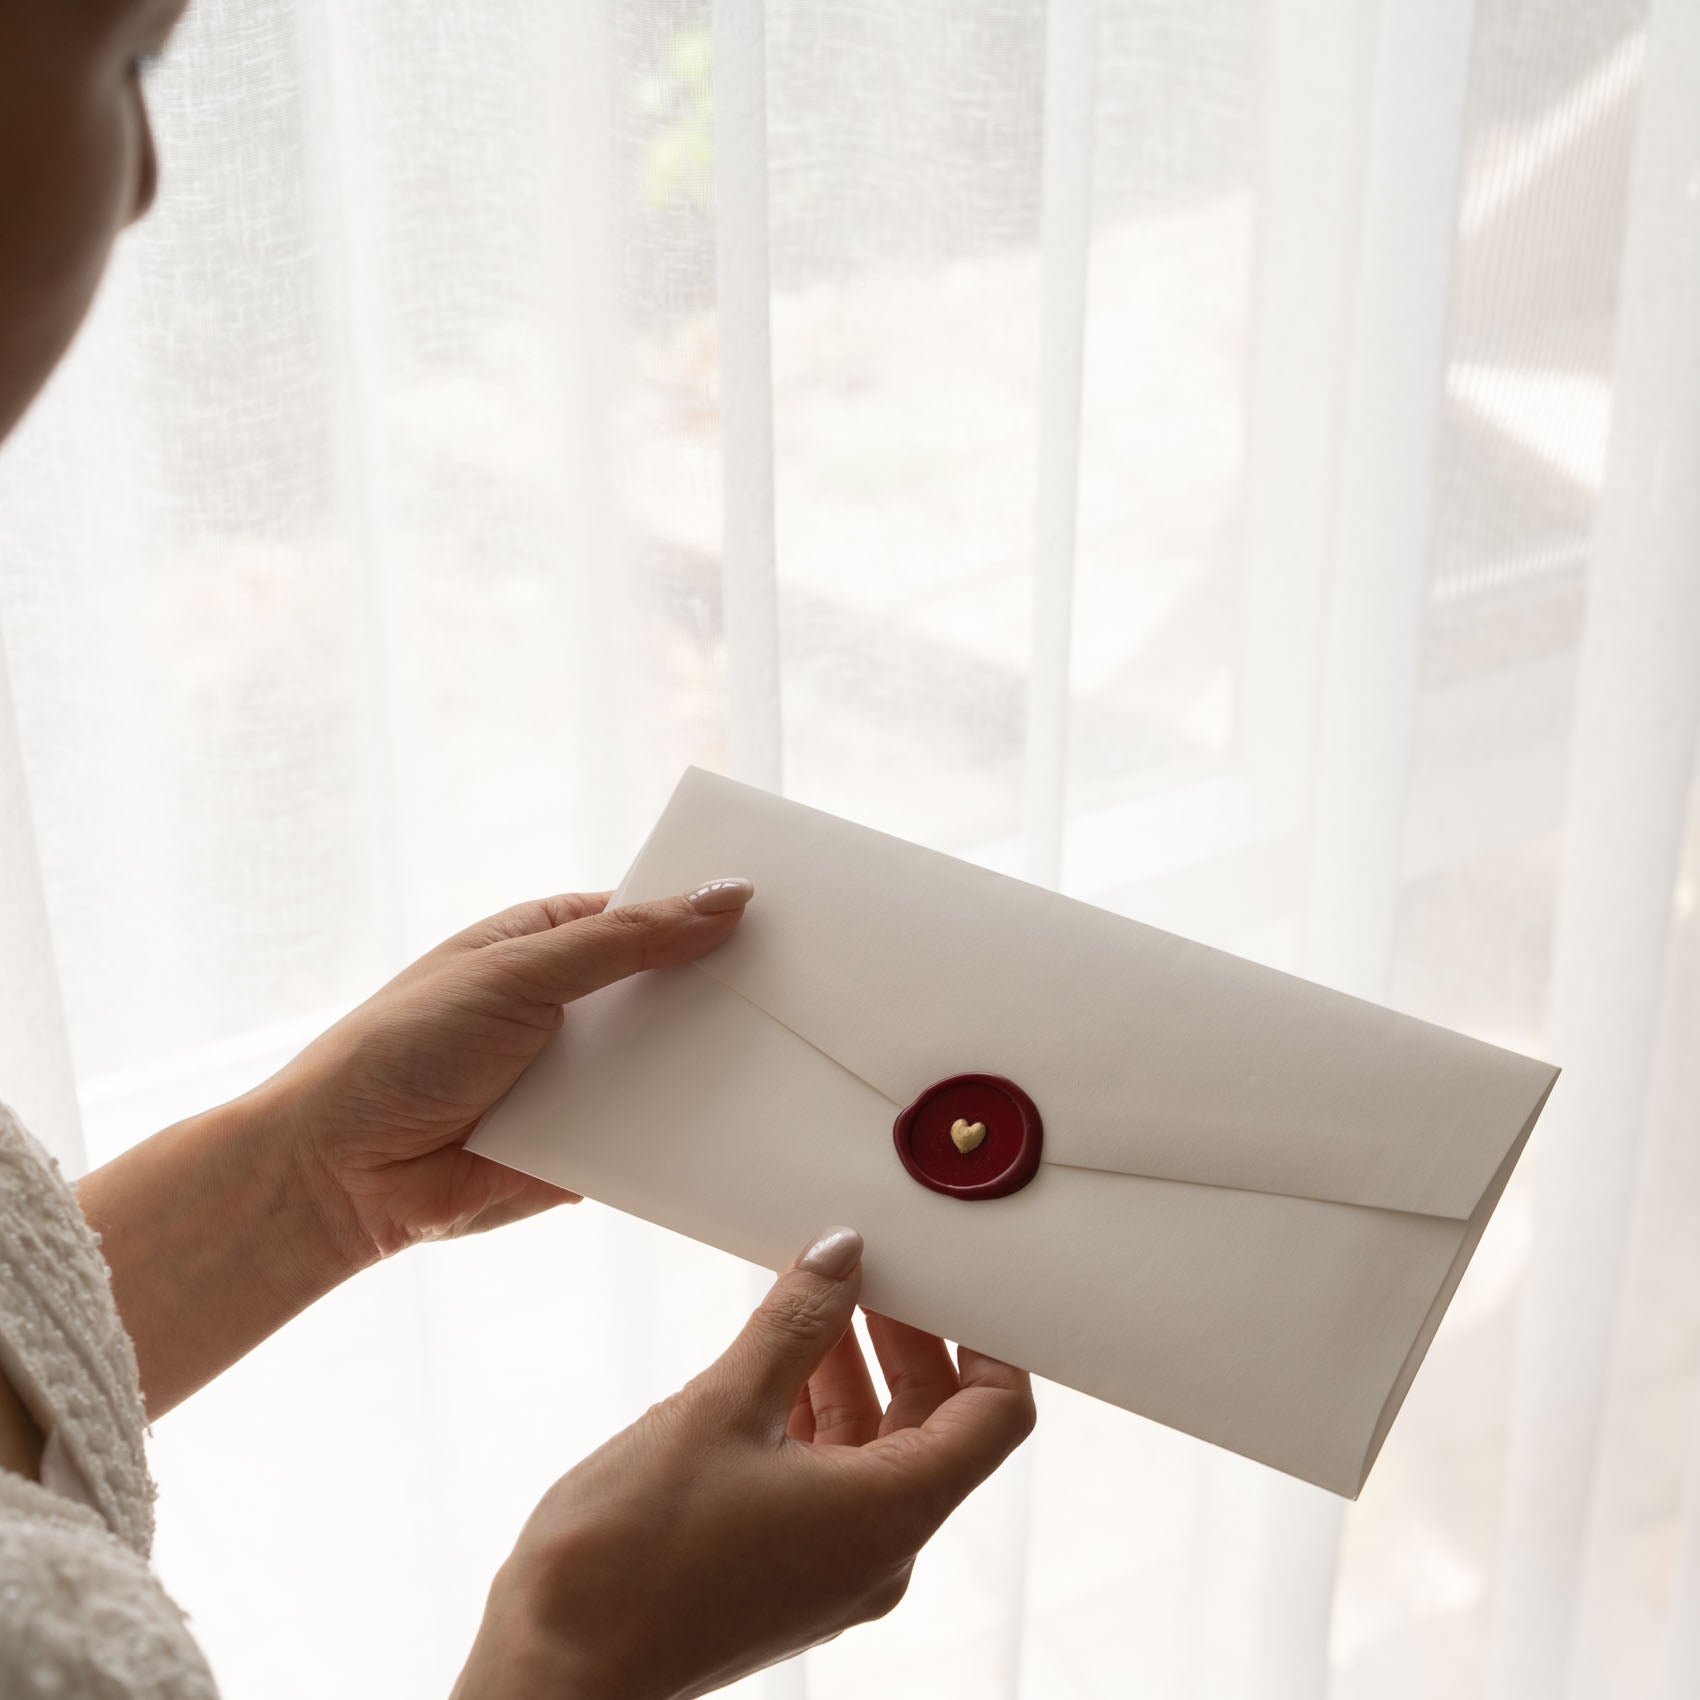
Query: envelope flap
{"type": "Point", "coordinates": [1146, 1053]}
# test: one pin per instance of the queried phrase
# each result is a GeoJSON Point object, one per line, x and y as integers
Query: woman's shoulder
{"type": "Point", "coordinates": [62, 1344]}
{"type": "Point", "coordinates": [80, 1611]}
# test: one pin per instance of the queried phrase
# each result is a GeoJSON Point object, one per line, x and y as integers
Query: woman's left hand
{"type": "Point", "coordinates": [383, 1102]}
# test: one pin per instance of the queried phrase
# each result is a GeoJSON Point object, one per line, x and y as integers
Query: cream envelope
{"type": "Point", "coordinates": [1256, 1198]}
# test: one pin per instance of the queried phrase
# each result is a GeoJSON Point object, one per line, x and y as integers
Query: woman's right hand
{"type": "Point", "coordinates": [762, 1509]}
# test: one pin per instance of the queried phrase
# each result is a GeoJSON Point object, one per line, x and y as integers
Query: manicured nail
{"type": "Point", "coordinates": [720, 895]}
{"type": "Point", "coordinates": [833, 1255]}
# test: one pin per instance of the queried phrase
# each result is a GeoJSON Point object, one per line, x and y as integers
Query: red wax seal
{"type": "Point", "coordinates": [972, 1136]}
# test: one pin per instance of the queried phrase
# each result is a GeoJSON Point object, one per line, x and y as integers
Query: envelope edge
{"type": "Point", "coordinates": [1474, 1228]}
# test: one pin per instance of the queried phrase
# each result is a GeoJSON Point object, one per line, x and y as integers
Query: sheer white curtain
{"type": "Point", "coordinates": [1238, 462]}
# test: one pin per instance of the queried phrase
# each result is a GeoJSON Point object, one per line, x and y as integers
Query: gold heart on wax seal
{"type": "Point", "coordinates": [967, 1136]}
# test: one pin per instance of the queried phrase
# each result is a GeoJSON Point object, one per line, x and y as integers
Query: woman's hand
{"type": "Point", "coordinates": [761, 1510]}
{"type": "Point", "coordinates": [221, 1227]}
{"type": "Point", "coordinates": [382, 1103]}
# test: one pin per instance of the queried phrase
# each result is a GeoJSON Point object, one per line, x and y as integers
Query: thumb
{"type": "Point", "coordinates": [582, 955]}
{"type": "Point", "coordinates": [788, 1334]}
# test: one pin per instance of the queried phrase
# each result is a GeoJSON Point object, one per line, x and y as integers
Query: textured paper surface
{"type": "Point", "coordinates": [1257, 1196]}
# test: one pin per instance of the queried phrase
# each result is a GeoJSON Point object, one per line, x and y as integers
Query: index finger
{"type": "Point", "coordinates": [562, 963]}
{"type": "Point", "coordinates": [519, 919]}
{"type": "Point", "coordinates": [971, 1432]}
{"type": "Point", "coordinates": [537, 916]}
{"type": "Point", "coordinates": [917, 1370]}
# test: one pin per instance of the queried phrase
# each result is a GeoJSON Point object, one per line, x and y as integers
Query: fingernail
{"type": "Point", "coordinates": [833, 1255]}
{"type": "Point", "coordinates": [720, 895]}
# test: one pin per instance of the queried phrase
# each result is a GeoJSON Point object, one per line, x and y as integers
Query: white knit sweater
{"type": "Point", "coordinates": [82, 1617]}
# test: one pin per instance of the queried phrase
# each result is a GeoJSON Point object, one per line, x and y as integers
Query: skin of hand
{"type": "Point", "coordinates": [384, 1102]}
{"type": "Point", "coordinates": [77, 165]}
{"type": "Point", "coordinates": [220, 1228]}
{"type": "Point", "coordinates": [763, 1509]}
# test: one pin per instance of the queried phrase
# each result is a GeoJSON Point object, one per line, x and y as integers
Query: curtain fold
{"type": "Point", "coordinates": [1231, 462]}
{"type": "Point", "coordinates": [1069, 126]}
{"type": "Point", "coordinates": [745, 365]}
{"type": "Point", "coordinates": [1636, 722]}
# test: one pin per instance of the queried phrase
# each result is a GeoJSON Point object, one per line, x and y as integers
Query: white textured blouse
{"type": "Point", "coordinates": [82, 1617]}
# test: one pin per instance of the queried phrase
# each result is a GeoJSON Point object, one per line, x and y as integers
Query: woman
{"type": "Point", "coordinates": [761, 1509]}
